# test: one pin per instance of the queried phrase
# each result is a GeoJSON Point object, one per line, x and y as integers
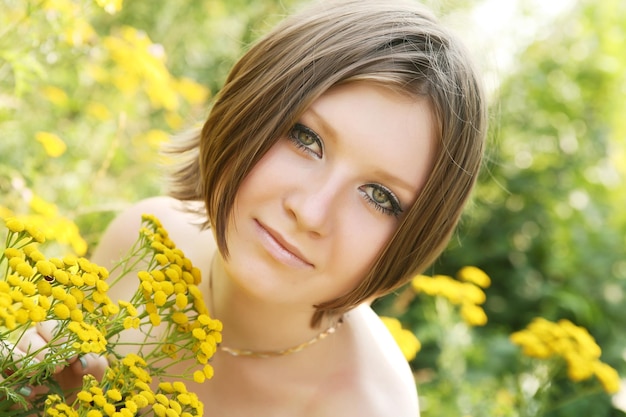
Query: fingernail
{"type": "Point", "coordinates": [25, 391]}
{"type": "Point", "coordinates": [83, 362]}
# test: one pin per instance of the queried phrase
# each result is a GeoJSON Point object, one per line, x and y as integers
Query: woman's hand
{"type": "Point", "coordinates": [69, 374]}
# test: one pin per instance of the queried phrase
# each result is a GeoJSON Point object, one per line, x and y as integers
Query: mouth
{"type": "Point", "coordinates": [280, 249]}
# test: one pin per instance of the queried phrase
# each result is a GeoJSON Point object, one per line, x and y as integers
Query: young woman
{"type": "Point", "coordinates": [333, 166]}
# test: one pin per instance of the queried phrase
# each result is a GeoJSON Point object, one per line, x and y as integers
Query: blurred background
{"type": "Point", "coordinates": [90, 89]}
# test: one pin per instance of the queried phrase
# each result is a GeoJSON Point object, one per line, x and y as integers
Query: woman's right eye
{"type": "Point", "coordinates": [306, 140]}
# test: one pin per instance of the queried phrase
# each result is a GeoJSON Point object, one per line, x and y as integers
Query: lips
{"type": "Point", "coordinates": [280, 249]}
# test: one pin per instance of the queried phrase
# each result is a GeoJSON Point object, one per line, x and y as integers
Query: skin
{"type": "Point", "coordinates": [309, 221]}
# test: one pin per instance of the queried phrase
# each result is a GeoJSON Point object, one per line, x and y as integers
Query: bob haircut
{"type": "Point", "coordinates": [391, 43]}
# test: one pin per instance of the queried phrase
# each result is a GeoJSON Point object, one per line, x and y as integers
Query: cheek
{"type": "Point", "coordinates": [257, 183]}
{"type": "Point", "coordinates": [267, 173]}
{"type": "Point", "coordinates": [365, 240]}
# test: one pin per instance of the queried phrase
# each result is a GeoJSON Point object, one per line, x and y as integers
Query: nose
{"type": "Point", "coordinates": [315, 204]}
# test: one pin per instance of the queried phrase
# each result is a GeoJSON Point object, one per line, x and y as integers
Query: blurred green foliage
{"type": "Point", "coordinates": [111, 87]}
{"type": "Point", "coordinates": [547, 221]}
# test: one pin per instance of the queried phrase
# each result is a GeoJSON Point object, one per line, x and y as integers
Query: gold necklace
{"type": "Point", "coordinates": [274, 353]}
{"type": "Point", "coordinates": [271, 353]}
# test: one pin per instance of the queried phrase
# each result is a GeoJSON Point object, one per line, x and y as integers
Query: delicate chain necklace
{"type": "Point", "coordinates": [272, 353]}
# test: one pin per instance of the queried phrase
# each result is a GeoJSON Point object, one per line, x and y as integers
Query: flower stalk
{"type": "Point", "coordinates": [72, 292]}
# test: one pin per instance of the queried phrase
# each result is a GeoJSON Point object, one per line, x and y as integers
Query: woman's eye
{"type": "Point", "coordinates": [306, 139]}
{"type": "Point", "coordinates": [382, 199]}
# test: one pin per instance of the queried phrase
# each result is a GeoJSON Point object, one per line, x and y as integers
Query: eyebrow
{"type": "Point", "coordinates": [330, 132]}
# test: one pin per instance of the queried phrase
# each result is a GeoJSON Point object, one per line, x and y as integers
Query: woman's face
{"type": "Point", "coordinates": [311, 217]}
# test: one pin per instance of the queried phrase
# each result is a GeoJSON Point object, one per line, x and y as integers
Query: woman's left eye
{"type": "Point", "coordinates": [306, 139]}
{"type": "Point", "coordinates": [382, 199]}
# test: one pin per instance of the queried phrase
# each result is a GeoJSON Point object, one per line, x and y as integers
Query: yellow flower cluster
{"type": "Point", "coordinates": [467, 291]}
{"type": "Point", "coordinates": [545, 339]}
{"type": "Point", "coordinates": [71, 291]}
{"type": "Point", "coordinates": [167, 306]}
{"type": "Point", "coordinates": [168, 288]}
{"type": "Point", "coordinates": [45, 218]}
{"type": "Point", "coordinates": [140, 64]}
{"type": "Point", "coordinates": [408, 342]}
{"type": "Point", "coordinates": [124, 392]}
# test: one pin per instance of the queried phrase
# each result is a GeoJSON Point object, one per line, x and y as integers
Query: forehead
{"type": "Point", "coordinates": [385, 131]}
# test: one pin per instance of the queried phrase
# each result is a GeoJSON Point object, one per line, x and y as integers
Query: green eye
{"type": "Point", "coordinates": [379, 196]}
{"type": "Point", "coordinates": [306, 140]}
{"type": "Point", "coordinates": [382, 199]}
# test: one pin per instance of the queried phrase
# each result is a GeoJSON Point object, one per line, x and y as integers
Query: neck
{"type": "Point", "coordinates": [254, 323]}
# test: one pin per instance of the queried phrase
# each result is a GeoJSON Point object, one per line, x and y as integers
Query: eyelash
{"type": "Point", "coordinates": [395, 209]}
{"type": "Point", "coordinates": [302, 146]}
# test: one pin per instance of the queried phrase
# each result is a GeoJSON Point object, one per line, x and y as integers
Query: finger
{"type": "Point", "coordinates": [19, 357]}
{"type": "Point", "coordinates": [32, 343]}
{"type": "Point", "coordinates": [48, 329]}
{"type": "Point", "coordinates": [91, 364]}
{"type": "Point", "coordinates": [72, 376]}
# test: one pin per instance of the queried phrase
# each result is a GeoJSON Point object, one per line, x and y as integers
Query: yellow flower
{"type": "Point", "coordinates": [473, 314]}
{"type": "Point", "coordinates": [61, 277]}
{"type": "Point", "coordinates": [79, 33]}
{"type": "Point", "coordinates": [578, 369]}
{"type": "Point", "coordinates": [73, 291]}
{"type": "Point", "coordinates": [109, 409]}
{"type": "Point", "coordinates": [14, 225]}
{"type": "Point", "coordinates": [61, 311]}
{"type": "Point", "coordinates": [155, 319]}
{"type": "Point", "coordinates": [110, 6]}
{"type": "Point", "coordinates": [193, 92]}
{"type": "Point", "coordinates": [76, 315]}
{"type": "Point", "coordinates": [24, 270]}
{"type": "Point", "coordinates": [181, 300]}
{"type": "Point", "coordinates": [114, 394]}
{"type": "Point", "coordinates": [175, 408]}
{"type": "Point", "coordinates": [174, 120]}
{"type": "Point", "coordinates": [409, 344]}
{"type": "Point", "coordinates": [179, 317]}
{"type": "Point", "coordinates": [140, 400]}
{"type": "Point", "coordinates": [161, 259]}
{"type": "Point", "coordinates": [199, 377]}
{"type": "Point", "coordinates": [574, 344]}
{"type": "Point", "coordinates": [474, 275]}
{"type": "Point", "coordinates": [98, 111]}
{"type": "Point", "coordinates": [45, 267]}
{"type": "Point", "coordinates": [37, 314]}
{"type": "Point", "coordinates": [208, 371]}
{"type": "Point", "coordinates": [99, 400]}
{"type": "Point", "coordinates": [608, 377]}
{"type": "Point", "coordinates": [154, 138]}
{"type": "Point", "coordinates": [55, 95]}
{"type": "Point", "coordinates": [84, 396]}
{"type": "Point", "coordinates": [470, 293]}
{"type": "Point", "coordinates": [53, 145]}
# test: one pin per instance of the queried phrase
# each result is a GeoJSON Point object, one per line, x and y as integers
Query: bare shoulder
{"type": "Point", "coordinates": [182, 226]}
{"type": "Point", "coordinates": [381, 382]}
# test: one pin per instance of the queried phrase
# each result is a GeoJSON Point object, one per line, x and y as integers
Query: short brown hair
{"type": "Point", "coordinates": [392, 43]}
